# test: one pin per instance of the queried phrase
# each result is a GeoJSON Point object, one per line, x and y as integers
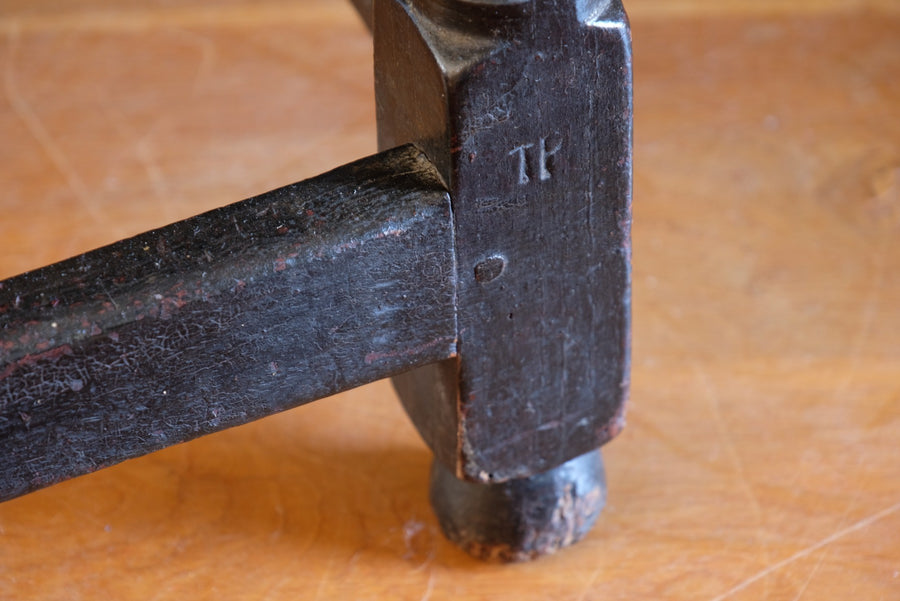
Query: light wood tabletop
{"type": "Point", "coordinates": [762, 454]}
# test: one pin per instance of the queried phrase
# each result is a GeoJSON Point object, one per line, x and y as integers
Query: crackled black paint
{"type": "Point", "coordinates": [224, 318]}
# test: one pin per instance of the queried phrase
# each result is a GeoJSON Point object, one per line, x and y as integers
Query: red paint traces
{"type": "Point", "coordinates": [168, 306]}
{"type": "Point", "coordinates": [176, 299]}
{"type": "Point", "coordinates": [282, 263]}
{"type": "Point", "coordinates": [51, 355]}
{"type": "Point", "coordinates": [95, 330]}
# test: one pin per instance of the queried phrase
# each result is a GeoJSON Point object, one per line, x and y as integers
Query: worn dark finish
{"type": "Point", "coordinates": [224, 318]}
{"type": "Point", "coordinates": [501, 310]}
{"type": "Point", "coordinates": [522, 518]}
{"type": "Point", "coordinates": [525, 108]}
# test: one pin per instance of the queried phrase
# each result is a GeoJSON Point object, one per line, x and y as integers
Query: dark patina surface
{"type": "Point", "coordinates": [485, 265]}
{"type": "Point", "coordinates": [226, 317]}
{"type": "Point", "coordinates": [525, 108]}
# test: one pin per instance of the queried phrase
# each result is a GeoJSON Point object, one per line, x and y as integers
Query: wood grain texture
{"type": "Point", "coordinates": [760, 460]}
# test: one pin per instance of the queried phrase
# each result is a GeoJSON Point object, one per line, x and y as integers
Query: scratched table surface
{"type": "Point", "coordinates": [762, 455]}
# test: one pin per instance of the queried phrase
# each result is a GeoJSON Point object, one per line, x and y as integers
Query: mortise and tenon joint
{"type": "Point", "coordinates": [482, 260]}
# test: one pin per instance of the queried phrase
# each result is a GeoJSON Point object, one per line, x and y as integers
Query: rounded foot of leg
{"type": "Point", "coordinates": [520, 519]}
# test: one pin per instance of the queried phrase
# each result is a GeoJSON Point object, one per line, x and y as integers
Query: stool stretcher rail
{"type": "Point", "coordinates": [224, 318]}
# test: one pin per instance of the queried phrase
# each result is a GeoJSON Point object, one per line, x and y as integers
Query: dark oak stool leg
{"type": "Point", "coordinates": [524, 106]}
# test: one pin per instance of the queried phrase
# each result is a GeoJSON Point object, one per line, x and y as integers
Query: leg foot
{"type": "Point", "coordinates": [520, 519]}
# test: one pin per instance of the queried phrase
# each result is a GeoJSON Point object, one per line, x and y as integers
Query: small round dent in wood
{"type": "Point", "coordinates": [524, 518]}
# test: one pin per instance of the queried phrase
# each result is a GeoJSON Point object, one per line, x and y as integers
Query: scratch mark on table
{"type": "Point", "coordinates": [208, 54]}
{"type": "Point", "coordinates": [144, 154]}
{"type": "Point", "coordinates": [814, 571]}
{"type": "Point", "coordinates": [143, 150]}
{"type": "Point", "coordinates": [812, 574]}
{"type": "Point", "coordinates": [860, 525]}
{"type": "Point", "coordinates": [27, 115]}
{"type": "Point", "coordinates": [736, 462]}
{"type": "Point", "coordinates": [592, 579]}
{"type": "Point", "coordinates": [850, 506]}
{"type": "Point", "coordinates": [429, 587]}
